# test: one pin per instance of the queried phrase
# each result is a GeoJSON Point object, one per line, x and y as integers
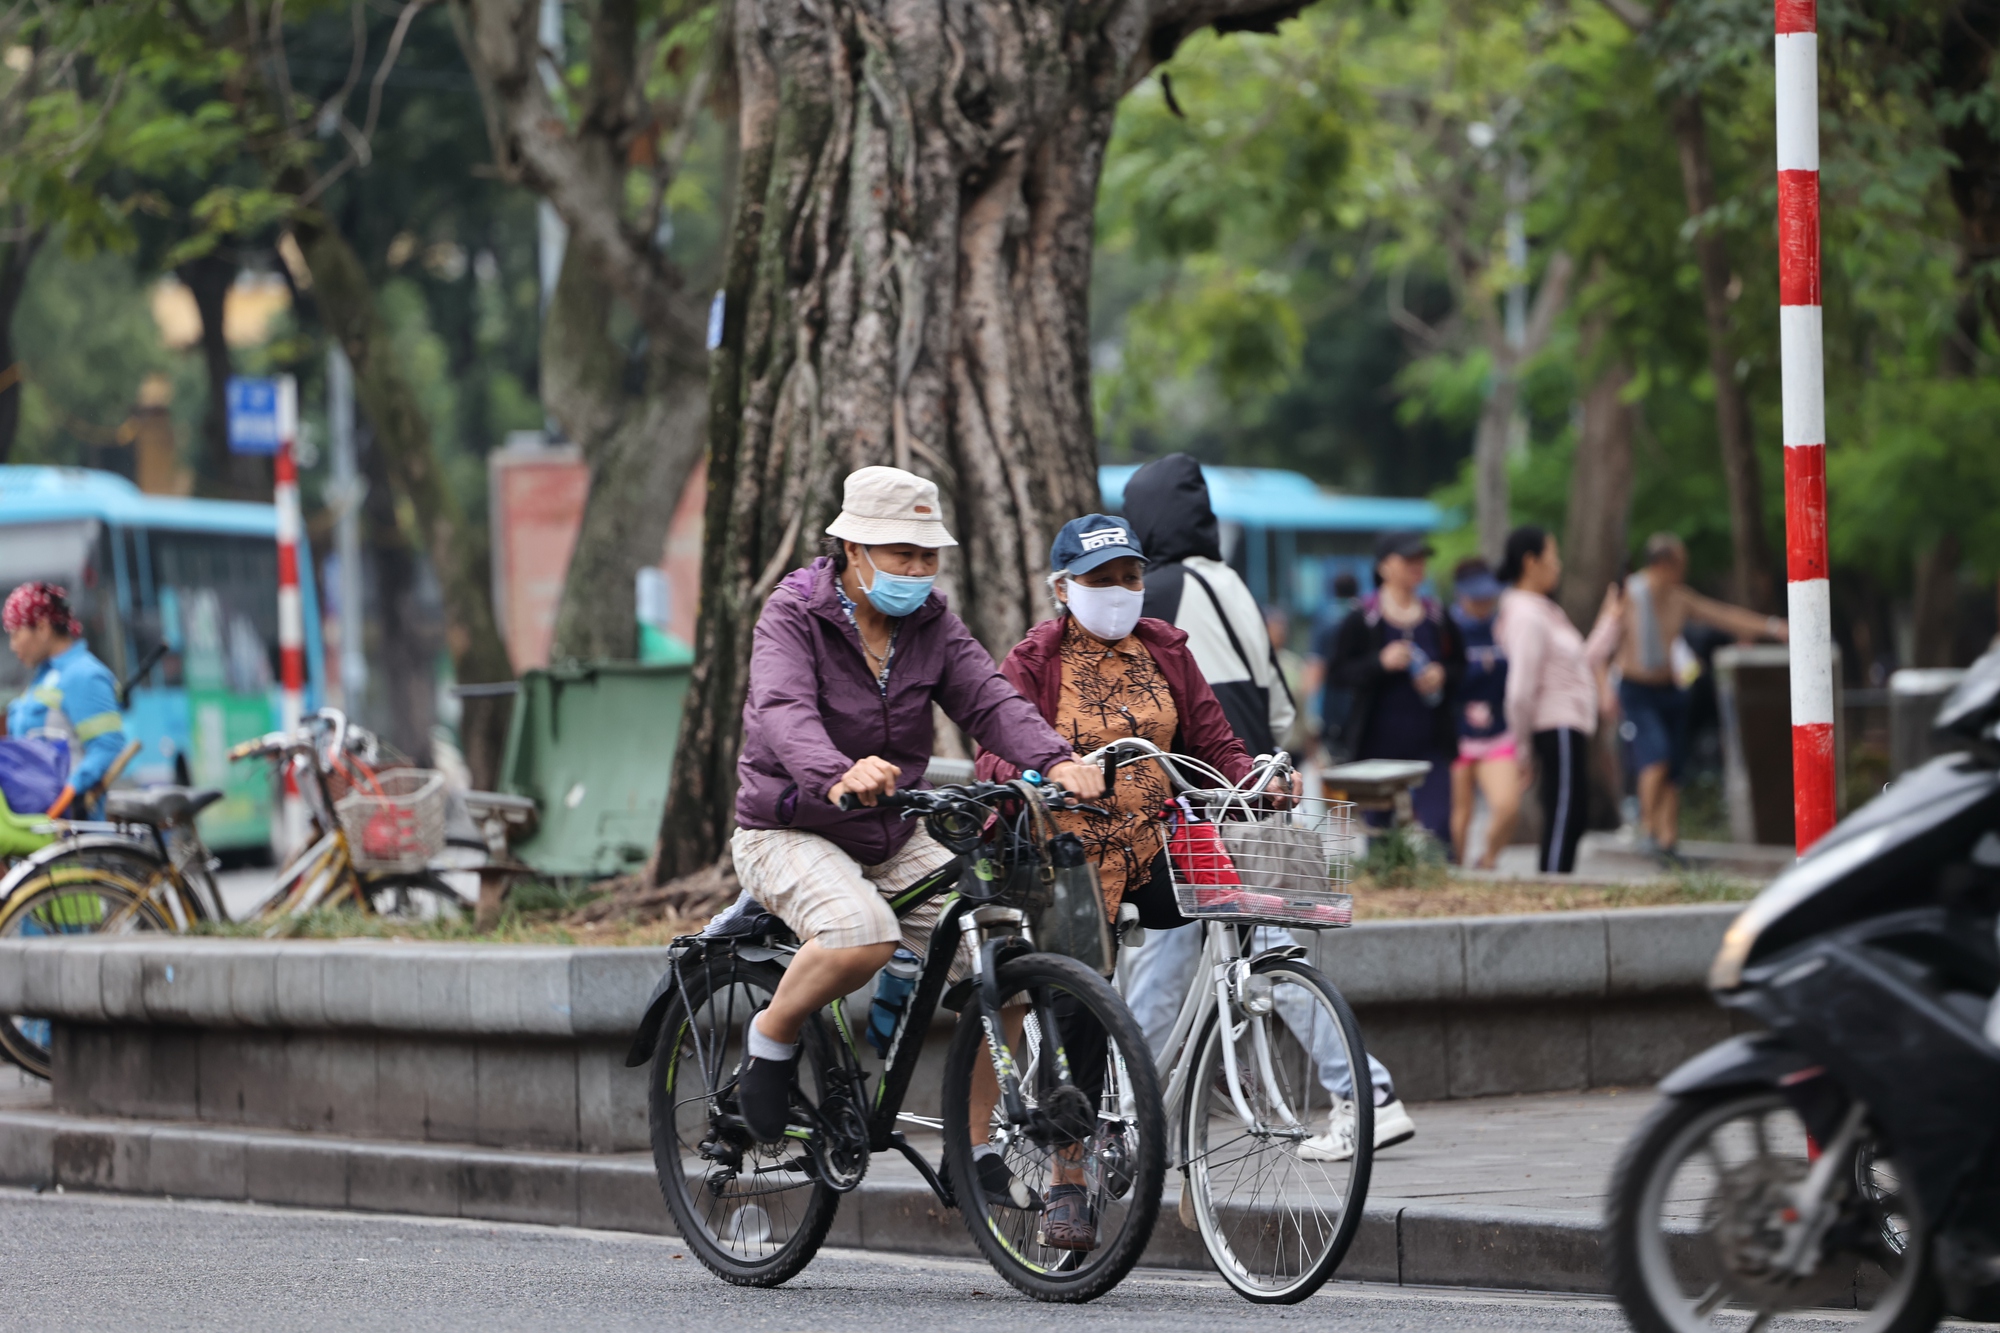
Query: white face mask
{"type": "Point", "coordinates": [1109, 613]}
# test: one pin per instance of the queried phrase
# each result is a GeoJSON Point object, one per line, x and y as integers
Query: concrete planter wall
{"type": "Point", "coordinates": [523, 1047]}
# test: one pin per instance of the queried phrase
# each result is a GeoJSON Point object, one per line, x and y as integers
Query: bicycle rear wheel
{"type": "Point", "coordinates": [1274, 1210]}
{"type": "Point", "coordinates": [754, 1214]}
{"type": "Point", "coordinates": [67, 900]}
{"type": "Point", "coordinates": [1093, 1101]}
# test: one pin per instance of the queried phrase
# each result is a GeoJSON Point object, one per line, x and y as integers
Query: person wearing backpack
{"type": "Point", "coordinates": [1188, 585]}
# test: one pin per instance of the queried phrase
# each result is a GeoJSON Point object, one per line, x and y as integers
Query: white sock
{"type": "Point", "coordinates": [763, 1048]}
{"type": "Point", "coordinates": [980, 1150]}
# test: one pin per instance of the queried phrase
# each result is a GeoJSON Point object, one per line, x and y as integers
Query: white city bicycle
{"type": "Point", "coordinates": [1259, 1070]}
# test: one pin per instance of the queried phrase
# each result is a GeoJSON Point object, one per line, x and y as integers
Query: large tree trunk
{"type": "Point", "coordinates": [16, 258]}
{"type": "Point", "coordinates": [220, 472]}
{"type": "Point", "coordinates": [403, 684]}
{"type": "Point", "coordinates": [908, 283]}
{"type": "Point", "coordinates": [640, 449]}
{"type": "Point", "coordinates": [1600, 496]}
{"type": "Point", "coordinates": [1491, 504]}
{"type": "Point", "coordinates": [640, 446]}
{"type": "Point", "coordinates": [456, 548]}
{"type": "Point", "coordinates": [1751, 570]}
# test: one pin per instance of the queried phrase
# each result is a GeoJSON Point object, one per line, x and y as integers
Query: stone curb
{"type": "Point", "coordinates": [1399, 1241]}
{"type": "Point", "coordinates": [552, 991]}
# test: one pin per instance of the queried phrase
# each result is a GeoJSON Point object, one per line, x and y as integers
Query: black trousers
{"type": "Point", "coordinates": [1562, 762]}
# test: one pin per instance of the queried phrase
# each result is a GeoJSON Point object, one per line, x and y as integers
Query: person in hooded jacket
{"type": "Point", "coordinates": [1188, 586]}
{"type": "Point", "coordinates": [1191, 587]}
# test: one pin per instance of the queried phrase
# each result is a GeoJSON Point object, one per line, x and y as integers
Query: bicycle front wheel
{"type": "Point", "coordinates": [754, 1214]}
{"type": "Point", "coordinates": [1093, 1120]}
{"type": "Point", "coordinates": [67, 900]}
{"type": "Point", "coordinates": [1279, 1146]}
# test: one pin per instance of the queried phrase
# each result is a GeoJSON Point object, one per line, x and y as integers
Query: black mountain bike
{"type": "Point", "coordinates": [1079, 1101]}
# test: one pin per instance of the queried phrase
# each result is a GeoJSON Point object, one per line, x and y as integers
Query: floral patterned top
{"type": "Point", "coordinates": [1111, 692]}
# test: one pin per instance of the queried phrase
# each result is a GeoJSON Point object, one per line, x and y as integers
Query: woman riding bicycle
{"type": "Point", "coordinates": [1101, 673]}
{"type": "Point", "coordinates": [850, 655]}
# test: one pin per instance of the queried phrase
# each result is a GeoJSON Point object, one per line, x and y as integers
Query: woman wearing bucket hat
{"type": "Point", "coordinates": [850, 655]}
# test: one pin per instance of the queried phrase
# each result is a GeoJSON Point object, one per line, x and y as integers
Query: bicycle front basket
{"type": "Point", "coordinates": [1244, 859]}
{"type": "Point", "coordinates": [399, 825]}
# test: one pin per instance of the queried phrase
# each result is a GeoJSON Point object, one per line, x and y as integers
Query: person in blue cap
{"type": "Point", "coordinates": [1487, 762]}
{"type": "Point", "coordinates": [72, 695]}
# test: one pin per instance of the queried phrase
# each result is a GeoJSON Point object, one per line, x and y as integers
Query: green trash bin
{"type": "Point", "coordinates": [593, 746]}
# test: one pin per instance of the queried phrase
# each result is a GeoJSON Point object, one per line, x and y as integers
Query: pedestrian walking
{"type": "Point", "coordinates": [1555, 679]}
{"type": "Point", "coordinates": [1191, 587]}
{"type": "Point", "coordinates": [1343, 592]}
{"type": "Point", "coordinates": [1487, 764]}
{"type": "Point", "coordinates": [1403, 659]}
{"type": "Point", "coordinates": [1651, 694]}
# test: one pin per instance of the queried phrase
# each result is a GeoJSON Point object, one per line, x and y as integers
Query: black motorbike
{"type": "Point", "coordinates": [1848, 1154]}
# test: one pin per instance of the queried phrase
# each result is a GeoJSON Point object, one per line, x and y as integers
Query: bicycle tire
{"type": "Point", "coordinates": [52, 903]}
{"type": "Point", "coordinates": [1045, 1274]}
{"type": "Point", "coordinates": [1254, 1248]}
{"type": "Point", "coordinates": [688, 1016]}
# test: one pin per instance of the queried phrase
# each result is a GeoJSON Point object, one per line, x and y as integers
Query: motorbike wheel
{"type": "Point", "coordinates": [1695, 1221]}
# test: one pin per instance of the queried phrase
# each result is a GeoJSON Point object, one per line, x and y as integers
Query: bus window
{"type": "Point", "coordinates": [215, 603]}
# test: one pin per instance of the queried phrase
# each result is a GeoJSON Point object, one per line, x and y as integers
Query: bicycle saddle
{"type": "Point", "coordinates": [159, 806]}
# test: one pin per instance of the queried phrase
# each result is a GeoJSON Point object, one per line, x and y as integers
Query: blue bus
{"type": "Point", "coordinates": [199, 576]}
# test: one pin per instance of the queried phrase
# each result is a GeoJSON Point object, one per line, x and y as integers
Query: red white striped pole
{"type": "Point", "coordinates": [1808, 600]}
{"type": "Point", "coordinates": [291, 610]}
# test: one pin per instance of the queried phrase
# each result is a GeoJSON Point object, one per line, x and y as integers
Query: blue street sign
{"type": "Point", "coordinates": [254, 414]}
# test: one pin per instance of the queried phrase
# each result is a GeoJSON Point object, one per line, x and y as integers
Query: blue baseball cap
{"type": "Point", "coordinates": [1478, 586]}
{"type": "Point", "coordinates": [1087, 542]}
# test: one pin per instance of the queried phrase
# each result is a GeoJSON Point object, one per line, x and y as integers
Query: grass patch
{"type": "Point", "coordinates": [536, 913]}
{"type": "Point", "coordinates": [1404, 858]}
{"type": "Point", "coordinates": [1378, 901]}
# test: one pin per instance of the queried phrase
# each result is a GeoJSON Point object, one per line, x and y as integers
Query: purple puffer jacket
{"type": "Point", "coordinates": [814, 709]}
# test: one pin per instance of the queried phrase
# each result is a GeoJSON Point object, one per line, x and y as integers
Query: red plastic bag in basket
{"type": "Point", "coordinates": [1197, 851]}
{"type": "Point", "coordinates": [382, 837]}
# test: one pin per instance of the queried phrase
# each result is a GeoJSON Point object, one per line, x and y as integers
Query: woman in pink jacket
{"type": "Point", "coordinates": [1554, 681]}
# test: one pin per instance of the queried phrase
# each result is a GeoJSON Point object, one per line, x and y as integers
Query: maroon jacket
{"type": "Point", "coordinates": [813, 709]}
{"type": "Point", "coordinates": [1035, 669]}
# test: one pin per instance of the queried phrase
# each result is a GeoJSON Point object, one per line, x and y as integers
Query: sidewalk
{"type": "Point", "coordinates": [1608, 858]}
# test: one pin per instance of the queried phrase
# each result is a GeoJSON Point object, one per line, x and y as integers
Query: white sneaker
{"type": "Point", "coordinates": [1393, 1125]}
{"type": "Point", "coordinates": [1337, 1143]}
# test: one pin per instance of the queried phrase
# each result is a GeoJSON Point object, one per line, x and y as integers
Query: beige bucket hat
{"type": "Point", "coordinates": [884, 505]}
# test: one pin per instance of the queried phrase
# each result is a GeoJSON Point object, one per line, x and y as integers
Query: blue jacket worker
{"type": "Point", "coordinates": [71, 695]}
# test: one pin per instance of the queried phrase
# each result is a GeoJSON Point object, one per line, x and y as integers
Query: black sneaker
{"type": "Point", "coordinates": [1002, 1188]}
{"type": "Point", "coordinates": [764, 1096]}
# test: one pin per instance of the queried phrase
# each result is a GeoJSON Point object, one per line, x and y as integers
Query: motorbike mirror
{"type": "Point", "coordinates": [1975, 701]}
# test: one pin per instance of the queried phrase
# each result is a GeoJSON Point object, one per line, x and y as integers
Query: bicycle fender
{"type": "Point", "coordinates": [1751, 1059]}
{"type": "Point", "coordinates": [40, 859]}
{"type": "Point", "coordinates": [648, 1034]}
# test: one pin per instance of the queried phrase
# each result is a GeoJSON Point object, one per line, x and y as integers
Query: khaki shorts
{"type": "Point", "coordinates": [824, 894]}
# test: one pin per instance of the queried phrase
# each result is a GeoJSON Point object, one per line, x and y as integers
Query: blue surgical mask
{"type": "Point", "coordinates": [897, 594]}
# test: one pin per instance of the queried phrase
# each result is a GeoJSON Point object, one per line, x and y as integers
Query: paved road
{"type": "Point", "coordinates": [85, 1262]}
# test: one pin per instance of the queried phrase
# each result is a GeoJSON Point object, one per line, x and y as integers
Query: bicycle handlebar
{"type": "Point", "coordinates": [926, 800]}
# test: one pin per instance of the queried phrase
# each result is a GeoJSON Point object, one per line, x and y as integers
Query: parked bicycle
{"type": "Point", "coordinates": [374, 831]}
{"type": "Point", "coordinates": [1077, 1101]}
{"type": "Point", "coordinates": [1261, 1062]}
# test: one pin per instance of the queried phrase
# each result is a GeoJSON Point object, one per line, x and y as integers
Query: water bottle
{"type": "Point", "coordinates": [893, 986]}
{"type": "Point", "coordinates": [1419, 659]}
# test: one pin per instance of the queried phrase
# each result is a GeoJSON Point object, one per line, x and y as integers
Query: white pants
{"type": "Point", "coordinates": [1157, 977]}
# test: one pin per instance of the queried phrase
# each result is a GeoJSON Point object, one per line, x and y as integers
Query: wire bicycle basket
{"type": "Point", "coordinates": [1262, 860]}
{"type": "Point", "coordinates": [396, 824]}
